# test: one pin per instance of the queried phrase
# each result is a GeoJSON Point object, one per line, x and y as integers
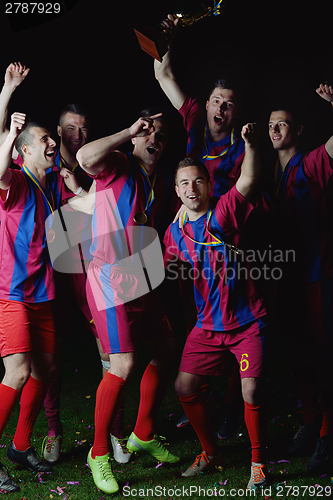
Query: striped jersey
{"type": "Point", "coordinates": [222, 158]}
{"type": "Point", "coordinates": [122, 191]}
{"type": "Point", "coordinates": [224, 291]}
{"type": "Point", "coordinates": [25, 269]}
{"type": "Point", "coordinates": [83, 221]}
{"type": "Point", "coordinates": [303, 213]}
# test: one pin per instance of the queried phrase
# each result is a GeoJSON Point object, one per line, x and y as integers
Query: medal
{"type": "Point", "coordinates": [140, 218]}
{"type": "Point", "coordinates": [50, 235]}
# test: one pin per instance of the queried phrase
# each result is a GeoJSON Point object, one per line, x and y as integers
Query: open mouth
{"type": "Point", "coordinates": [151, 150]}
{"type": "Point", "coordinates": [50, 154]}
{"type": "Point", "coordinates": [192, 197]}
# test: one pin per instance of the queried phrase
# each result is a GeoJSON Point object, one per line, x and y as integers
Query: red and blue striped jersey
{"type": "Point", "coordinates": [224, 291]}
{"type": "Point", "coordinates": [122, 191]}
{"type": "Point", "coordinates": [303, 213]}
{"type": "Point", "coordinates": [222, 158]}
{"type": "Point", "coordinates": [25, 268]}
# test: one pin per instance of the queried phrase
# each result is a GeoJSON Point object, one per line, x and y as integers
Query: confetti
{"type": "Point", "coordinates": [73, 482]}
{"type": "Point", "coordinates": [158, 465]}
{"type": "Point", "coordinates": [280, 461]}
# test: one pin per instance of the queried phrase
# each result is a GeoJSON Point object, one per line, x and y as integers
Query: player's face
{"type": "Point", "coordinates": [149, 148]}
{"type": "Point", "coordinates": [192, 188]}
{"type": "Point", "coordinates": [222, 111]}
{"type": "Point", "coordinates": [73, 132]}
{"type": "Point", "coordinates": [41, 153]}
{"type": "Point", "coordinates": [282, 132]}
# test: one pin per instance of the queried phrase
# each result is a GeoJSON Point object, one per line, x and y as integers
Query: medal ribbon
{"type": "Point", "coordinates": [210, 157]}
{"type": "Point", "coordinates": [35, 181]}
{"type": "Point", "coordinates": [61, 161]}
{"type": "Point", "coordinates": [151, 196]}
{"type": "Point", "coordinates": [217, 8]}
{"type": "Point", "coordinates": [211, 243]}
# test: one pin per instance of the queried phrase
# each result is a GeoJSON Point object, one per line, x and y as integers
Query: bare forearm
{"type": "Point", "coordinates": [250, 174]}
{"type": "Point", "coordinates": [5, 97]}
{"type": "Point", "coordinates": [168, 83]}
{"type": "Point", "coordinates": [95, 152]}
{"type": "Point", "coordinates": [6, 150]}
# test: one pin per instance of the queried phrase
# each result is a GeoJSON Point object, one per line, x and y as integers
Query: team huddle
{"type": "Point", "coordinates": [200, 210]}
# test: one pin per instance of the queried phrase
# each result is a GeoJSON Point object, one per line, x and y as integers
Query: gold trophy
{"type": "Point", "coordinates": [155, 42]}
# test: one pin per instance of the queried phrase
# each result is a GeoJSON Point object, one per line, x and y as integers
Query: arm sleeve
{"type": "Point", "coordinates": [232, 210]}
{"type": "Point", "coordinates": [317, 166]}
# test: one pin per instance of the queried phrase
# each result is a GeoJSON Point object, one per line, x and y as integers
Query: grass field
{"type": "Point", "coordinates": [142, 477]}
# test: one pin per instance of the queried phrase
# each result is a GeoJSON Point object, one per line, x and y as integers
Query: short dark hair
{"type": "Point", "coordinates": [230, 83]}
{"type": "Point", "coordinates": [26, 137]}
{"type": "Point", "coordinates": [192, 162]}
{"type": "Point", "coordinates": [76, 109]}
{"type": "Point", "coordinates": [295, 111]}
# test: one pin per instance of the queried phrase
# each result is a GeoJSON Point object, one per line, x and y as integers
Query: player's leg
{"type": "Point", "coordinates": [194, 403]}
{"type": "Point", "coordinates": [248, 345]}
{"type": "Point", "coordinates": [163, 347]}
{"type": "Point", "coordinates": [17, 371]}
{"type": "Point", "coordinates": [33, 394]}
{"type": "Point", "coordinates": [117, 435]}
{"type": "Point", "coordinates": [108, 397]}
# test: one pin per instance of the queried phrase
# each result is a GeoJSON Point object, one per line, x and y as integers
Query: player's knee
{"type": "Point", "coordinates": [250, 390]}
{"type": "Point", "coordinates": [122, 365]}
{"type": "Point", "coordinates": [18, 378]}
{"type": "Point", "coordinates": [183, 387]}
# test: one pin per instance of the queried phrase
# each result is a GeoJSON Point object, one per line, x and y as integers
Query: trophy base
{"type": "Point", "coordinates": [152, 42]}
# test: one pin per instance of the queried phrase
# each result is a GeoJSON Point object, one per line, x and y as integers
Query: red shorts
{"type": "Point", "coordinates": [26, 327]}
{"type": "Point", "coordinates": [119, 327]}
{"type": "Point", "coordinates": [206, 352]}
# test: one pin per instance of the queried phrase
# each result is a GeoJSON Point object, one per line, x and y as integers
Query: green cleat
{"type": "Point", "coordinates": [102, 473]}
{"type": "Point", "coordinates": [154, 447]}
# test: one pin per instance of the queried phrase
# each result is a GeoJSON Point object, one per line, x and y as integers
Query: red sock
{"type": "Point", "coordinates": [8, 398]}
{"type": "Point", "coordinates": [197, 411]}
{"type": "Point", "coordinates": [256, 427]}
{"type": "Point", "coordinates": [52, 405]}
{"type": "Point", "coordinates": [109, 393]}
{"type": "Point", "coordinates": [152, 389]}
{"type": "Point", "coordinates": [306, 383]}
{"type": "Point", "coordinates": [117, 428]}
{"type": "Point", "coordinates": [32, 398]}
{"type": "Point", "coordinates": [327, 424]}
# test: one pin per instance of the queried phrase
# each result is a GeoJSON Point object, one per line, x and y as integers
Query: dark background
{"type": "Point", "coordinates": [90, 54]}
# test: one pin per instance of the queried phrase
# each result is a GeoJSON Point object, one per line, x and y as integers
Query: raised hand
{"type": "Point", "coordinates": [250, 134]}
{"type": "Point", "coordinates": [325, 91]}
{"type": "Point", "coordinates": [17, 123]}
{"type": "Point", "coordinates": [143, 126]}
{"type": "Point", "coordinates": [15, 74]}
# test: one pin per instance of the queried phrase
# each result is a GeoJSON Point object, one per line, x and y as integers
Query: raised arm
{"type": "Point", "coordinates": [250, 173]}
{"type": "Point", "coordinates": [326, 92]}
{"type": "Point", "coordinates": [91, 156]}
{"type": "Point", "coordinates": [6, 149]}
{"type": "Point", "coordinates": [164, 74]}
{"type": "Point", "coordinates": [14, 76]}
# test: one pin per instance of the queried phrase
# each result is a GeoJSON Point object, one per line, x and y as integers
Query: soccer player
{"type": "Point", "coordinates": [230, 314]}
{"type": "Point", "coordinates": [27, 334]}
{"type": "Point", "coordinates": [212, 135]}
{"type": "Point", "coordinates": [304, 297]}
{"type": "Point", "coordinates": [212, 138]}
{"type": "Point", "coordinates": [73, 132]}
{"type": "Point", "coordinates": [130, 191]}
